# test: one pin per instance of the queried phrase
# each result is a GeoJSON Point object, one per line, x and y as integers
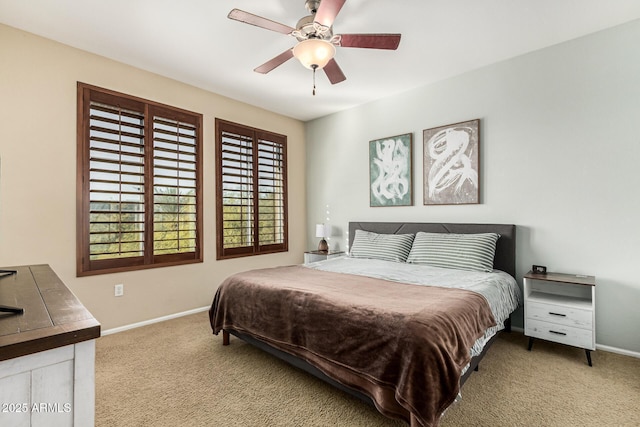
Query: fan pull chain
{"type": "Point", "coordinates": [314, 79]}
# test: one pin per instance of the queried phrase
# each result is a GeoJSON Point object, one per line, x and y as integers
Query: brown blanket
{"type": "Point", "coordinates": [403, 345]}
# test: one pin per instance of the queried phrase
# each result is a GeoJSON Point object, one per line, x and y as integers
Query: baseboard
{"type": "Point", "coordinates": [618, 350]}
{"type": "Point", "coordinates": [608, 348]}
{"type": "Point", "coordinates": [152, 321]}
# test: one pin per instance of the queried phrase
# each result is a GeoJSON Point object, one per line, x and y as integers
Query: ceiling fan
{"type": "Point", "coordinates": [316, 45]}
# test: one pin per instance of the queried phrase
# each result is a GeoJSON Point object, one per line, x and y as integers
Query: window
{"type": "Point", "coordinates": [139, 183]}
{"type": "Point", "coordinates": [251, 191]}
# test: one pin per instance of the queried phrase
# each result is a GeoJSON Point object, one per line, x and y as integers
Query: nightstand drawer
{"type": "Point", "coordinates": [560, 333]}
{"type": "Point", "coordinates": [562, 315]}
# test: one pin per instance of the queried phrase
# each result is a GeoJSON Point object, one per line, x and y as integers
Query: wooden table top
{"type": "Point", "coordinates": [576, 279]}
{"type": "Point", "coordinates": [53, 316]}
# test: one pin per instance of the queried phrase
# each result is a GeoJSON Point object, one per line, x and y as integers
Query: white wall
{"type": "Point", "coordinates": [560, 147]}
{"type": "Point", "coordinates": [38, 177]}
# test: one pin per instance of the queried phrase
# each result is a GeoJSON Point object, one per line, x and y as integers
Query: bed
{"type": "Point", "coordinates": [393, 323]}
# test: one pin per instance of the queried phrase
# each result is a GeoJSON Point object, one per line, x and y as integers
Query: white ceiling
{"type": "Point", "coordinates": [193, 41]}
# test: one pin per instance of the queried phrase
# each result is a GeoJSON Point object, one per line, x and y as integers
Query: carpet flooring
{"type": "Point", "coordinates": [176, 373]}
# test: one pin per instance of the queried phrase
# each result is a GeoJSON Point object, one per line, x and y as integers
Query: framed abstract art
{"type": "Point", "coordinates": [390, 171]}
{"type": "Point", "coordinates": [451, 164]}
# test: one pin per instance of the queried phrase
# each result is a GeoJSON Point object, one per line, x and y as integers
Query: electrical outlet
{"type": "Point", "coordinates": [118, 290]}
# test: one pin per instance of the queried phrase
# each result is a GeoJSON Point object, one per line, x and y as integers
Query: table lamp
{"type": "Point", "coordinates": [321, 232]}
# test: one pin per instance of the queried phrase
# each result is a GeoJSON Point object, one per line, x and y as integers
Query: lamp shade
{"type": "Point", "coordinates": [314, 52]}
{"type": "Point", "coordinates": [320, 230]}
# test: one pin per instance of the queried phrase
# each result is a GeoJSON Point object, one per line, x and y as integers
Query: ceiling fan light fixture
{"type": "Point", "coordinates": [314, 53]}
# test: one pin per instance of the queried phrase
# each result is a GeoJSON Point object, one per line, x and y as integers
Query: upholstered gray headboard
{"type": "Point", "coordinates": [505, 258]}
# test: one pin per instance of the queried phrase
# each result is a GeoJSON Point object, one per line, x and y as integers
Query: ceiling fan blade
{"type": "Point", "coordinates": [259, 21]}
{"type": "Point", "coordinates": [334, 72]}
{"type": "Point", "coordinates": [327, 12]}
{"type": "Point", "coordinates": [275, 62]}
{"type": "Point", "coordinates": [370, 41]}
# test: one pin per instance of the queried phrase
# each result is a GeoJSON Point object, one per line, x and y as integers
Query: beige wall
{"type": "Point", "coordinates": [38, 168]}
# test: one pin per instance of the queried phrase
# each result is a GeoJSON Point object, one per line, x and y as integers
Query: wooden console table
{"type": "Point", "coordinates": [47, 353]}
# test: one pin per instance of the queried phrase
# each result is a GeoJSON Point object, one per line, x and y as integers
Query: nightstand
{"type": "Point", "coordinates": [313, 256]}
{"type": "Point", "coordinates": [561, 308]}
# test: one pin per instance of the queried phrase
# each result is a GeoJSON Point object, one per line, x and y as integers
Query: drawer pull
{"type": "Point", "coordinates": [557, 333]}
{"type": "Point", "coordinates": [557, 314]}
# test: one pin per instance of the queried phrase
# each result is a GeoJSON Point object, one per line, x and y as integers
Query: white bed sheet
{"type": "Point", "coordinates": [499, 288]}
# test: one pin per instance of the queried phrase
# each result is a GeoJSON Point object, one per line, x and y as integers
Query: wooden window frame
{"type": "Point", "coordinates": [85, 266]}
{"type": "Point", "coordinates": [255, 135]}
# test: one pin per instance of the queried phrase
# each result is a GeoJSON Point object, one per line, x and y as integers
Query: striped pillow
{"type": "Point", "coordinates": [472, 252]}
{"type": "Point", "coordinates": [388, 247]}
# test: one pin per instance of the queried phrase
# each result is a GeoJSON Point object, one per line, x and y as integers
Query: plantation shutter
{"type": "Point", "coordinates": [138, 183]}
{"type": "Point", "coordinates": [174, 186]}
{"type": "Point", "coordinates": [271, 192]}
{"type": "Point", "coordinates": [252, 213]}
{"type": "Point", "coordinates": [116, 183]}
{"type": "Point", "coordinates": [236, 191]}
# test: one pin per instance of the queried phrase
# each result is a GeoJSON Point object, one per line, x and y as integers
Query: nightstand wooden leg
{"type": "Point", "coordinates": [530, 343]}
{"type": "Point", "coordinates": [588, 356]}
